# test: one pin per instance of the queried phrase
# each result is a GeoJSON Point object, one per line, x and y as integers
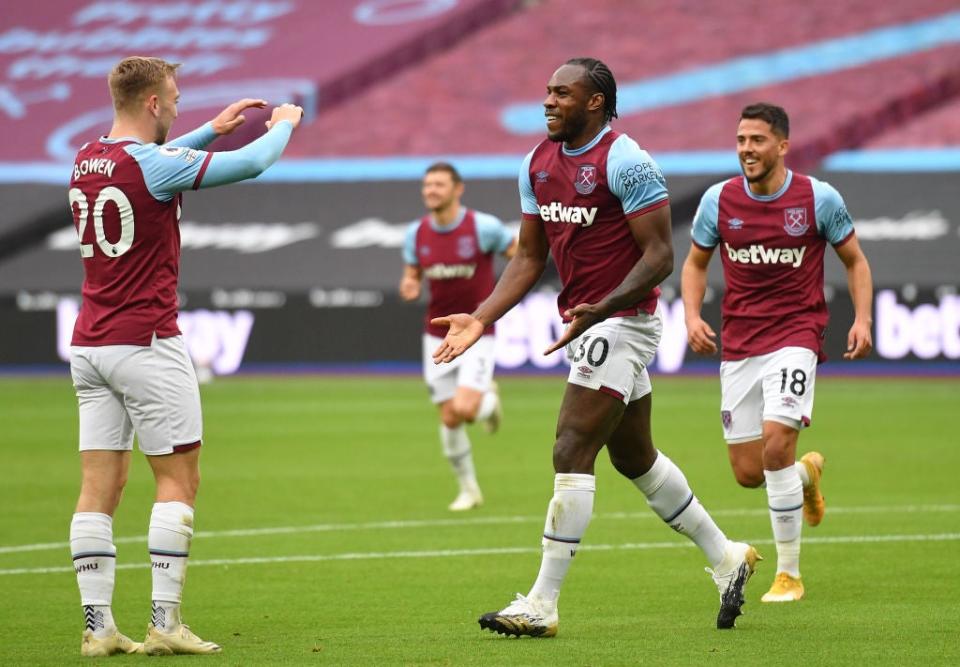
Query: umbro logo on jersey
{"type": "Point", "coordinates": [577, 215]}
{"type": "Point", "coordinates": [735, 223]}
{"type": "Point", "coordinates": [542, 176]}
{"type": "Point", "coordinates": [760, 254]}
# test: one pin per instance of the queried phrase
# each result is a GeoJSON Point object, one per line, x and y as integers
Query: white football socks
{"type": "Point", "coordinates": [568, 516]}
{"type": "Point", "coordinates": [803, 472]}
{"type": "Point", "coordinates": [94, 559]}
{"type": "Point", "coordinates": [669, 495]}
{"type": "Point", "coordinates": [785, 497]}
{"type": "Point", "coordinates": [456, 447]}
{"type": "Point", "coordinates": [171, 528]}
{"type": "Point", "coordinates": [487, 405]}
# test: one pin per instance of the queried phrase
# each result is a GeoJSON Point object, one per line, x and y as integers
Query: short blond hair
{"type": "Point", "coordinates": [135, 76]}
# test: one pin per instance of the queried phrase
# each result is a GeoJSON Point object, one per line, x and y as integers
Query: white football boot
{"type": "Point", "coordinates": [731, 577]}
{"type": "Point", "coordinates": [524, 617]}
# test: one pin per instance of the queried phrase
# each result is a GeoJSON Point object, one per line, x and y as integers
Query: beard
{"type": "Point", "coordinates": [767, 170]}
{"type": "Point", "coordinates": [440, 205]}
{"type": "Point", "coordinates": [572, 128]}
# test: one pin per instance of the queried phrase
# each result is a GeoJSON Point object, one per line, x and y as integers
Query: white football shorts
{"type": "Point", "coordinates": [126, 389]}
{"type": "Point", "coordinates": [612, 356]}
{"type": "Point", "coordinates": [472, 369]}
{"type": "Point", "coordinates": [777, 386]}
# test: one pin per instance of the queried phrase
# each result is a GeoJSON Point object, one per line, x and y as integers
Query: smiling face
{"type": "Point", "coordinates": [440, 191]}
{"type": "Point", "coordinates": [760, 150]}
{"type": "Point", "coordinates": [573, 109]}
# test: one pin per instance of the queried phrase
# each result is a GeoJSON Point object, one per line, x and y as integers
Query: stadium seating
{"type": "Point", "coordinates": [939, 127]}
{"type": "Point", "coordinates": [453, 103]}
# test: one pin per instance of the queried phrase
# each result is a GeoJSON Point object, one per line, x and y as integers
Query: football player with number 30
{"type": "Point", "coordinates": [598, 203]}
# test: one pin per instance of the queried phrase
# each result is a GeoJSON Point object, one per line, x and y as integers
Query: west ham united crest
{"type": "Point", "coordinates": [466, 247]}
{"type": "Point", "coordinates": [727, 418]}
{"type": "Point", "coordinates": [795, 221]}
{"type": "Point", "coordinates": [585, 181]}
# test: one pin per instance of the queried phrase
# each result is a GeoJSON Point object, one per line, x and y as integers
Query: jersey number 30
{"type": "Point", "coordinates": [108, 194]}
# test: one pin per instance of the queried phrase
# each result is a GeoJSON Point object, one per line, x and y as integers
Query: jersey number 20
{"type": "Point", "coordinates": [108, 194]}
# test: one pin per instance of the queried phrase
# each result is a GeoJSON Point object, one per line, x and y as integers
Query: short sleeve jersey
{"type": "Point", "coordinates": [584, 199]}
{"type": "Point", "coordinates": [772, 248]}
{"type": "Point", "coordinates": [457, 261]}
{"type": "Point", "coordinates": [125, 198]}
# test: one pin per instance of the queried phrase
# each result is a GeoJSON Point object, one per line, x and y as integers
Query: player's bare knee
{"type": "Point", "coordinates": [466, 409]}
{"type": "Point", "coordinates": [628, 467]}
{"type": "Point", "coordinates": [749, 478]}
{"type": "Point", "coordinates": [573, 454]}
{"type": "Point", "coordinates": [450, 418]}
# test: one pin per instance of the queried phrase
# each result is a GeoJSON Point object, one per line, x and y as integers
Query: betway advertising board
{"type": "Point", "coordinates": [232, 330]}
{"type": "Point", "coordinates": [307, 274]}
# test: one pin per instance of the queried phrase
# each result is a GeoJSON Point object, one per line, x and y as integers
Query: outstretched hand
{"type": "Point", "coordinates": [465, 330]}
{"type": "Point", "coordinates": [287, 111]}
{"type": "Point", "coordinates": [581, 318]}
{"type": "Point", "coordinates": [232, 117]}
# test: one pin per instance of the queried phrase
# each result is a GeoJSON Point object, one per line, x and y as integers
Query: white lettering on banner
{"type": "Point", "coordinates": [527, 330]}
{"type": "Point", "coordinates": [760, 254]}
{"type": "Point", "coordinates": [534, 324]}
{"type": "Point", "coordinates": [195, 12]}
{"type": "Point", "coordinates": [378, 233]}
{"type": "Point", "coordinates": [369, 232]}
{"type": "Point", "coordinates": [927, 331]}
{"type": "Point", "coordinates": [214, 338]}
{"type": "Point", "coordinates": [916, 225]}
{"type": "Point", "coordinates": [41, 67]}
{"type": "Point", "coordinates": [247, 238]}
{"type": "Point", "coordinates": [673, 342]}
{"type": "Point", "coordinates": [152, 38]}
{"type": "Point", "coordinates": [217, 338]}
{"type": "Point", "coordinates": [392, 12]}
{"type": "Point", "coordinates": [577, 215]}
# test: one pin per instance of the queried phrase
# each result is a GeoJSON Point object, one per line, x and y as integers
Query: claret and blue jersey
{"type": "Point", "coordinates": [457, 260]}
{"type": "Point", "coordinates": [772, 248]}
{"type": "Point", "coordinates": [125, 197]}
{"type": "Point", "coordinates": [584, 199]}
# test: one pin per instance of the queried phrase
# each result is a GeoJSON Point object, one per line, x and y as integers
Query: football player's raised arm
{"type": "Point", "coordinates": [224, 123]}
{"type": "Point", "coordinates": [197, 139]}
{"type": "Point", "coordinates": [247, 162]}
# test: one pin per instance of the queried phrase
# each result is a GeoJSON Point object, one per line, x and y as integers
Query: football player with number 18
{"type": "Point", "coordinates": [772, 226]}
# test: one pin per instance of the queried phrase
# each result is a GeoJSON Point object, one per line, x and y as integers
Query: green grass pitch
{"type": "Point", "coordinates": [323, 535]}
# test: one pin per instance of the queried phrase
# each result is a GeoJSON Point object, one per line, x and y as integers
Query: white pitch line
{"type": "Point", "coordinates": [494, 551]}
{"type": "Point", "coordinates": [474, 521]}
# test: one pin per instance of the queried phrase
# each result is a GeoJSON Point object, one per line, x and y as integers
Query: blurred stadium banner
{"type": "Point", "coordinates": [351, 329]}
{"type": "Point", "coordinates": [305, 274]}
{"type": "Point", "coordinates": [54, 58]}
